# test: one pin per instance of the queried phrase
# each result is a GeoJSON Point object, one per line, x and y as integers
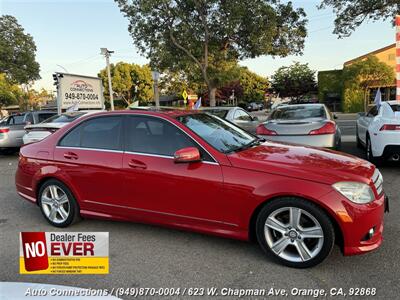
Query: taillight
{"type": "Point", "coordinates": [390, 127]}
{"type": "Point", "coordinates": [328, 128]}
{"type": "Point", "coordinates": [264, 131]}
{"type": "Point", "coordinates": [4, 130]}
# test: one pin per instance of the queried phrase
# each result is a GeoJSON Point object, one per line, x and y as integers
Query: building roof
{"type": "Point", "coordinates": [349, 62]}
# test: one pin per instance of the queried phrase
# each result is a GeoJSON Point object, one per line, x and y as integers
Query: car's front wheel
{"type": "Point", "coordinates": [57, 203]}
{"type": "Point", "coordinates": [295, 232]}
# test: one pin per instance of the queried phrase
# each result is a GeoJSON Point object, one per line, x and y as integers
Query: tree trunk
{"type": "Point", "coordinates": [211, 95]}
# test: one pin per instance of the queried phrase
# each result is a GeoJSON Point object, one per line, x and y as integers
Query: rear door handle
{"type": "Point", "coordinates": [136, 164]}
{"type": "Point", "coordinates": [71, 155]}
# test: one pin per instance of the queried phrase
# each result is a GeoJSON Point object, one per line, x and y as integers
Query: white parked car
{"type": "Point", "coordinates": [379, 132]}
{"type": "Point", "coordinates": [37, 132]}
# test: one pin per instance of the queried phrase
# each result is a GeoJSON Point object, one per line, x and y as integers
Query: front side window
{"type": "Point", "coordinates": [97, 133]}
{"type": "Point", "coordinates": [151, 135]}
{"type": "Point", "coordinates": [16, 120]}
{"type": "Point", "coordinates": [220, 134]}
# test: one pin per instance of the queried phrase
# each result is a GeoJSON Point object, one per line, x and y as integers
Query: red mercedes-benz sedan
{"type": "Point", "coordinates": [194, 171]}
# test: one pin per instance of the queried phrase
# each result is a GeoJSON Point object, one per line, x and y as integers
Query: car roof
{"type": "Point", "coordinates": [301, 105]}
{"type": "Point", "coordinates": [220, 108]}
{"type": "Point", "coordinates": [393, 102]}
{"type": "Point", "coordinates": [172, 113]}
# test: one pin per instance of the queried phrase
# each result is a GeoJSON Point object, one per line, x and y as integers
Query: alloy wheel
{"type": "Point", "coordinates": [55, 204]}
{"type": "Point", "coordinates": [293, 234]}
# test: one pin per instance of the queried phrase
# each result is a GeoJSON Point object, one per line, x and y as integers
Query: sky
{"type": "Point", "coordinates": [69, 34]}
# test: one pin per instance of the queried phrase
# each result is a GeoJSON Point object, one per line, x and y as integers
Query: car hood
{"type": "Point", "coordinates": [292, 160]}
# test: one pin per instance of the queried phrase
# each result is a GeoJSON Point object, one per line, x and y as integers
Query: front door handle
{"type": "Point", "coordinates": [136, 164]}
{"type": "Point", "coordinates": [71, 155]}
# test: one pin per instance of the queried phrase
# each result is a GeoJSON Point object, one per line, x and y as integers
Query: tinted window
{"type": "Point", "coordinates": [220, 134]}
{"type": "Point", "coordinates": [298, 112]}
{"type": "Point", "coordinates": [43, 117]}
{"type": "Point", "coordinates": [240, 115]}
{"type": "Point", "coordinates": [218, 112]}
{"type": "Point", "coordinates": [29, 119]}
{"type": "Point", "coordinates": [156, 136]}
{"type": "Point", "coordinates": [98, 133]}
{"type": "Point", "coordinates": [395, 107]}
{"type": "Point", "coordinates": [16, 120]}
{"type": "Point", "coordinates": [373, 112]}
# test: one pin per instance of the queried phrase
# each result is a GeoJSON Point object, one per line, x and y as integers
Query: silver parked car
{"type": "Point", "coordinates": [37, 132]}
{"type": "Point", "coordinates": [236, 115]}
{"type": "Point", "coordinates": [12, 128]}
{"type": "Point", "coordinates": [307, 124]}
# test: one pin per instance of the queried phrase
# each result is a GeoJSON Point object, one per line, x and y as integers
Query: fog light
{"type": "Point", "coordinates": [369, 235]}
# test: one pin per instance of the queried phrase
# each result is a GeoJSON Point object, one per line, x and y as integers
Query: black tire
{"type": "Point", "coordinates": [324, 221]}
{"type": "Point", "coordinates": [377, 160]}
{"type": "Point", "coordinates": [73, 208]}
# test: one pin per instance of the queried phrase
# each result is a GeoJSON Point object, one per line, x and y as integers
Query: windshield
{"type": "Point", "coordinates": [64, 118]}
{"type": "Point", "coordinates": [220, 134]}
{"type": "Point", "coordinates": [298, 112]}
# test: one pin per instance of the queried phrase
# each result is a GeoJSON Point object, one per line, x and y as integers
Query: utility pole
{"type": "Point", "coordinates": [156, 77]}
{"type": "Point", "coordinates": [106, 53]}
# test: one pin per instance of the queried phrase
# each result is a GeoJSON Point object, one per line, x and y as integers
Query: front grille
{"type": "Point", "coordinates": [378, 181]}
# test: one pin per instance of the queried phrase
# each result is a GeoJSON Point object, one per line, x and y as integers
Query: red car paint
{"type": "Point", "coordinates": [216, 198]}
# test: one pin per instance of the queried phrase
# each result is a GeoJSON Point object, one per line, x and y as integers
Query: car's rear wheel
{"type": "Point", "coordinates": [295, 232]}
{"type": "Point", "coordinates": [57, 204]}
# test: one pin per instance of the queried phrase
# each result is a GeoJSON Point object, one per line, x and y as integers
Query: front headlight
{"type": "Point", "coordinates": [356, 192]}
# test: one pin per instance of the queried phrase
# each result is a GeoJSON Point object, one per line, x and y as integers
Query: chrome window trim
{"type": "Point", "coordinates": [134, 114]}
{"type": "Point", "coordinates": [165, 156]}
{"type": "Point", "coordinates": [90, 149]}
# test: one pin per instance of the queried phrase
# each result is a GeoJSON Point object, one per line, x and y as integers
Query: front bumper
{"type": "Point", "coordinates": [356, 221]}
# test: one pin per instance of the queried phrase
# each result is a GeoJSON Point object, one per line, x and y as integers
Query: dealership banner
{"type": "Point", "coordinates": [86, 92]}
{"type": "Point", "coordinates": [63, 253]}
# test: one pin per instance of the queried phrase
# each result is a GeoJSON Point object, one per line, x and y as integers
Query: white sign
{"type": "Point", "coordinates": [86, 91]}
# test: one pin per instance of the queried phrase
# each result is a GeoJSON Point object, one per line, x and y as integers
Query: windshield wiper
{"type": "Point", "coordinates": [256, 141]}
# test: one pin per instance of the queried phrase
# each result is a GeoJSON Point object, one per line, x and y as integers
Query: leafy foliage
{"type": "Point", "coordinates": [359, 76]}
{"type": "Point", "coordinates": [213, 34]}
{"type": "Point", "coordinates": [350, 14]}
{"type": "Point", "coordinates": [294, 81]}
{"type": "Point", "coordinates": [254, 86]}
{"type": "Point", "coordinates": [17, 52]}
{"type": "Point", "coordinates": [9, 93]}
{"type": "Point", "coordinates": [130, 82]}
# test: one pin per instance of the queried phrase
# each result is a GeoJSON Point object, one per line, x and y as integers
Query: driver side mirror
{"type": "Point", "coordinates": [361, 114]}
{"type": "Point", "coordinates": [187, 155]}
{"type": "Point", "coordinates": [335, 116]}
{"type": "Point", "coordinates": [254, 118]}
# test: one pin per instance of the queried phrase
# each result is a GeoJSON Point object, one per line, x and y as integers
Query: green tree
{"type": "Point", "coordinates": [294, 81]}
{"type": "Point", "coordinates": [9, 93]}
{"type": "Point", "coordinates": [213, 34]}
{"type": "Point", "coordinates": [254, 86]}
{"type": "Point", "coordinates": [350, 14]}
{"type": "Point", "coordinates": [17, 52]}
{"type": "Point", "coordinates": [131, 82]}
{"type": "Point", "coordinates": [359, 76]}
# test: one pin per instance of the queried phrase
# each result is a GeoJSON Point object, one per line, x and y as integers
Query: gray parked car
{"type": "Point", "coordinates": [307, 124]}
{"type": "Point", "coordinates": [12, 127]}
{"type": "Point", "coordinates": [236, 115]}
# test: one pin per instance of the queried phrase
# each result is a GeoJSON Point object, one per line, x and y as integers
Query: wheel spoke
{"type": "Point", "coordinates": [53, 213]}
{"type": "Point", "coordinates": [63, 213]}
{"type": "Point", "coordinates": [312, 233]}
{"type": "Point", "coordinates": [46, 200]}
{"type": "Point", "coordinates": [280, 245]}
{"type": "Point", "coordinates": [295, 215]}
{"type": "Point", "coordinates": [53, 192]}
{"type": "Point", "coordinates": [303, 250]}
{"type": "Point", "coordinates": [275, 225]}
{"type": "Point", "coordinates": [63, 199]}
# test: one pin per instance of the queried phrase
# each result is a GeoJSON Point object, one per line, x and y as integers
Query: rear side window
{"type": "Point", "coordinates": [43, 117]}
{"type": "Point", "coordinates": [395, 107]}
{"type": "Point", "coordinates": [16, 120]}
{"type": "Point", "coordinates": [98, 133]}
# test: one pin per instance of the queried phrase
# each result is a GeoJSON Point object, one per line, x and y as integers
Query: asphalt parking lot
{"type": "Point", "coordinates": [148, 256]}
